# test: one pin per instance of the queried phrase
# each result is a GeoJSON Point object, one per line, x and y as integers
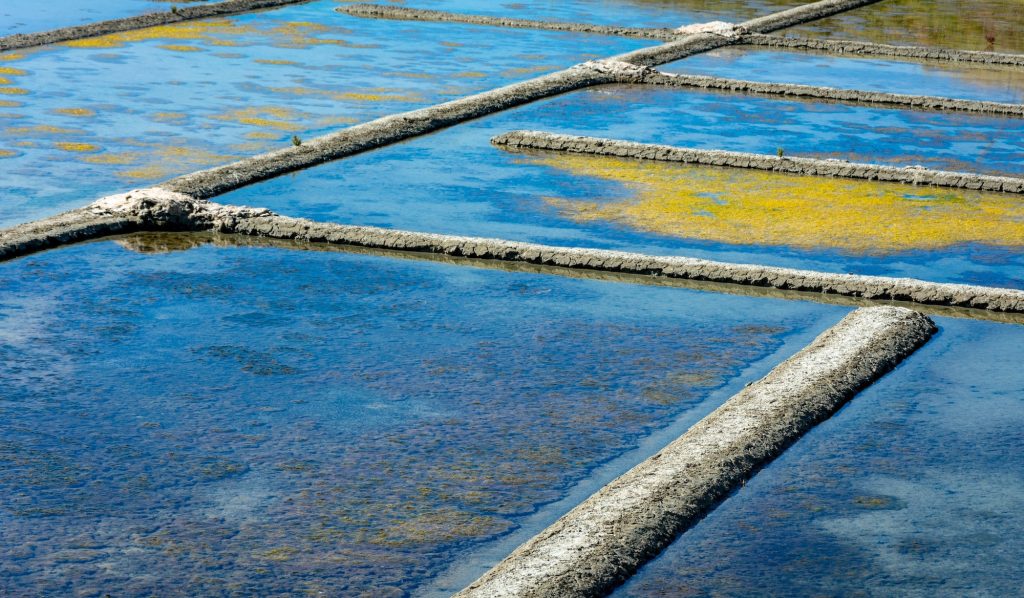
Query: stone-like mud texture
{"type": "Point", "coordinates": [401, 13]}
{"type": "Point", "coordinates": [605, 539]}
{"type": "Point", "coordinates": [853, 96]}
{"type": "Point", "coordinates": [911, 175]}
{"type": "Point", "coordinates": [859, 48]}
{"type": "Point", "coordinates": [177, 15]}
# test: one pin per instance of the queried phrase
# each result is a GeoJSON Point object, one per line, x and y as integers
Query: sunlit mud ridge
{"type": "Point", "coordinates": [852, 96]}
{"type": "Point", "coordinates": [157, 209]}
{"type": "Point", "coordinates": [179, 14]}
{"type": "Point", "coordinates": [911, 175]}
{"type": "Point", "coordinates": [861, 48]}
{"type": "Point", "coordinates": [401, 13]}
{"type": "Point", "coordinates": [604, 540]}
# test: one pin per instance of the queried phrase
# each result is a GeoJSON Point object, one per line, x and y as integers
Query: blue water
{"type": "Point", "coordinates": [258, 420]}
{"type": "Point", "coordinates": [30, 16]}
{"type": "Point", "coordinates": [988, 83]}
{"type": "Point", "coordinates": [248, 86]}
{"type": "Point", "coordinates": [916, 488]}
{"type": "Point", "coordinates": [455, 182]}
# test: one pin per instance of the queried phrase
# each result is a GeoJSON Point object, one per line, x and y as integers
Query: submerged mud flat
{"type": "Point", "coordinates": [632, 13]}
{"type": "Point", "coordinates": [962, 81]}
{"type": "Point", "coordinates": [455, 182]}
{"type": "Point", "coordinates": [134, 108]}
{"type": "Point", "coordinates": [992, 25]}
{"type": "Point", "coordinates": [916, 485]}
{"type": "Point", "coordinates": [238, 419]}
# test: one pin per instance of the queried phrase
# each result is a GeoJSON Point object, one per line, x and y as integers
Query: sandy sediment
{"type": "Point", "coordinates": [857, 48]}
{"type": "Point", "coordinates": [912, 175]}
{"type": "Point", "coordinates": [153, 19]}
{"type": "Point", "coordinates": [400, 13]}
{"type": "Point", "coordinates": [654, 77]}
{"type": "Point", "coordinates": [604, 540]}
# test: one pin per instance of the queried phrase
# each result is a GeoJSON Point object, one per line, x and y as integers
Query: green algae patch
{"type": "Point", "coordinates": [749, 207]}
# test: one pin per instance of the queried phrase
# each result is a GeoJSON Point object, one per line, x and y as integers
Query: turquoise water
{"type": "Point", "coordinates": [915, 488]}
{"type": "Point", "coordinates": [988, 83]}
{"type": "Point", "coordinates": [121, 114]}
{"type": "Point", "coordinates": [29, 16]}
{"type": "Point", "coordinates": [455, 182]}
{"type": "Point", "coordinates": [258, 420]}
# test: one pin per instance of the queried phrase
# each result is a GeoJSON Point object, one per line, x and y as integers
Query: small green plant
{"type": "Point", "coordinates": [296, 140]}
{"type": "Point", "coordinates": [780, 152]}
{"type": "Point", "coordinates": [174, 9]}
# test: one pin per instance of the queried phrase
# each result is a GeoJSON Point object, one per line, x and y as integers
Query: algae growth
{"type": "Point", "coordinates": [752, 207]}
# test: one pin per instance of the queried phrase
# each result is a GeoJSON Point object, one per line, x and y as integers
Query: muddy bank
{"type": "Point", "coordinates": [858, 48]}
{"type": "Point", "coordinates": [604, 540]}
{"type": "Point", "coordinates": [911, 175]}
{"type": "Point", "coordinates": [653, 77]}
{"type": "Point", "coordinates": [179, 14]}
{"type": "Point", "coordinates": [399, 13]}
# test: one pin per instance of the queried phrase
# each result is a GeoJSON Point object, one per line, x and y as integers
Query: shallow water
{"type": "Point", "coordinates": [455, 182]}
{"type": "Point", "coordinates": [127, 110]}
{"type": "Point", "coordinates": [30, 16]}
{"type": "Point", "coordinates": [916, 487]}
{"type": "Point", "coordinates": [253, 419]}
{"type": "Point", "coordinates": [992, 25]}
{"type": "Point", "coordinates": [988, 83]}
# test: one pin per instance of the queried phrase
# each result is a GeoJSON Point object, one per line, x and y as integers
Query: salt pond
{"type": "Point", "coordinates": [917, 486]}
{"type": "Point", "coordinates": [268, 420]}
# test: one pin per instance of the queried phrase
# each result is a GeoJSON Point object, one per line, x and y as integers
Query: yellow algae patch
{"type": "Point", "coordinates": [267, 117]}
{"type": "Point", "coordinates": [528, 70]}
{"type": "Point", "coordinates": [10, 116]}
{"type": "Point", "coordinates": [451, 44]}
{"type": "Point", "coordinates": [470, 75]}
{"type": "Point", "coordinates": [82, 112]}
{"type": "Point", "coordinates": [278, 62]}
{"type": "Point", "coordinates": [5, 81]}
{"type": "Point", "coordinates": [13, 91]}
{"type": "Point", "coordinates": [76, 147]}
{"type": "Point", "coordinates": [336, 120]}
{"type": "Point", "coordinates": [262, 135]}
{"type": "Point", "coordinates": [43, 130]}
{"type": "Point", "coordinates": [190, 30]}
{"type": "Point", "coordinates": [7, 153]}
{"type": "Point", "coordinates": [168, 116]}
{"type": "Point", "coordinates": [120, 159]}
{"type": "Point", "coordinates": [754, 207]}
{"type": "Point", "coordinates": [348, 95]}
{"type": "Point", "coordinates": [10, 104]}
{"type": "Point", "coordinates": [10, 70]}
{"type": "Point", "coordinates": [181, 48]}
{"type": "Point", "coordinates": [170, 161]}
{"type": "Point", "coordinates": [9, 57]}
